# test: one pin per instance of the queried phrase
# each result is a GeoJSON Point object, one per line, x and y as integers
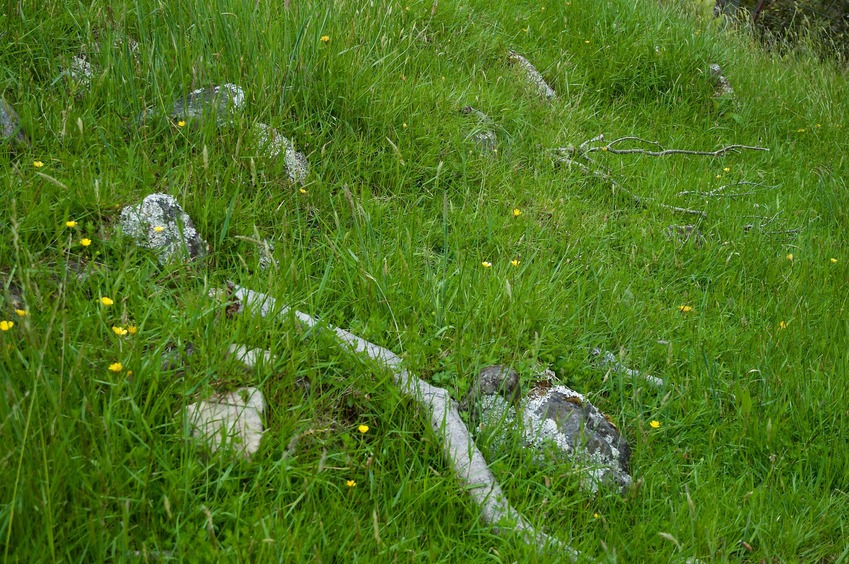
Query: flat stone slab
{"type": "Point", "coordinates": [160, 224]}
{"type": "Point", "coordinates": [233, 419]}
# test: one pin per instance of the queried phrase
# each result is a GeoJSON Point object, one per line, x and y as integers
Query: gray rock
{"type": "Point", "coordinates": [532, 76]}
{"type": "Point", "coordinates": [722, 87]}
{"type": "Point", "coordinates": [10, 124]}
{"type": "Point", "coordinates": [607, 360]}
{"type": "Point", "coordinates": [81, 72]}
{"type": "Point", "coordinates": [685, 234]}
{"type": "Point", "coordinates": [553, 416]}
{"type": "Point", "coordinates": [266, 255]}
{"type": "Point", "coordinates": [482, 136]}
{"type": "Point", "coordinates": [221, 102]}
{"type": "Point", "coordinates": [233, 419]}
{"type": "Point", "coordinates": [159, 223]}
{"type": "Point", "coordinates": [272, 144]}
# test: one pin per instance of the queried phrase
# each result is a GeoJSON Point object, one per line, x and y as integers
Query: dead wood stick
{"type": "Point", "coordinates": [458, 445]}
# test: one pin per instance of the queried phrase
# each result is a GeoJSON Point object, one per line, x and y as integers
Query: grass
{"type": "Point", "coordinates": [399, 213]}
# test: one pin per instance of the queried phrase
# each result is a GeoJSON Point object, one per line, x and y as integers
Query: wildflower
{"type": "Point", "coordinates": [181, 123]}
{"type": "Point", "coordinates": [595, 515]}
{"type": "Point", "coordinates": [37, 164]}
{"type": "Point", "coordinates": [818, 125]}
{"type": "Point", "coordinates": [726, 169]}
{"type": "Point", "coordinates": [116, 367]}
{"type": "Point", "coordinates": [85, 242]}
{"type": "Point", "coordinates": [604, 148]}
{"type": "Point", "coordinates": [486, 264]}
{"type": "Point", "coordinates": [119, 330]}
{"type": "Point", "coordinates": [22, 312]}
{"type": "Point", "coordinates": [404, 125]}
{"type": "Point", "coordinates": [800, 130]}
{"type": "Point", "coordinates": [587, 41]}
{"type": "Point", "coordinates": [833, 261]}
{"type": "Point", "coordinates": [132, 329]}
{"type": "Point", "coordinates": [302, 191]}
{"type": "Point", "coordinates": [363, 428]}
{"type": "Point", "coordinates": [325, 38]}
{"type": "Point", "coordinates": [685, 309]}
{"type": "Point", "coordinates": [71, 224]}
{"type": "Point", "coordinates": [159, 229]}
{"type": "Point", "coordinates": [790, 256]}
{"type": "Point", "coordinates": [782, 325]}
{"type": "Point", "coordinates": [517, 212]}
{"type": "Point", "coordinates": [6, 325]}
{"type": "Point", "coordinates": [719, 176]}
{"type": "Point", "coordinates": [655, 424]}
{"type": "Point", "coordinates": [515, 262]}
{"type": "Point", "coordinates": [106, 301]}
{"type": "Point", "coordinates": [350, 483]}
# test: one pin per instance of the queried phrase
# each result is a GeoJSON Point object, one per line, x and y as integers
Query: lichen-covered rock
{"type": "Point", "coordinates": [266, 255]}
{"type": "Point", "coordinates": [221, 102]}
{"type": "Point", "coordinates": [482, 135]}
{"type": "Point", "coordinates": [532, 76]}
{"type": "Point", "coordinates": [271, 143]}
{"type": "Point", "coordinates": [722, 87]}
{"type": "Point", "coordinates": [233, 419]}
{"type": "Point", "coordinates": [10, 124]}
{"type": "Point", "coordinates": [159, 223]}
{"type": "Point", "coordinates": [552, 415]}
{"type": "Point", "coordinates": [81, 72]}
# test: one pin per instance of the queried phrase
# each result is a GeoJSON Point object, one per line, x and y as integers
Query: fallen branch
{"type": "Point", "coordinates": [718, 192]}
{"type": "Point", "coordinates": [661, 152]}
{"type": "Point", "coordinates": [458, 445]}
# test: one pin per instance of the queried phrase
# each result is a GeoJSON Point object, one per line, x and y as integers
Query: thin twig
{"type": "Point", "coordinates": [609, 148]}
{"type": "Point", "coordinates": [718, 192]}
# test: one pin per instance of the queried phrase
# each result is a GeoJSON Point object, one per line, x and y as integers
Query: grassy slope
{"type": "Point", "coordinates": [752, 426]}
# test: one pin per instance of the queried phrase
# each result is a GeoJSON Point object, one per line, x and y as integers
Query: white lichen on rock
{"type": "Point", "coordinates": [160, 224]}
{"type": "Point", "coordinates": [533, 76]}
{"type": "Point", "coordinates": [232, 419]}
{"type": "Point", "coordinates": [272, 144]}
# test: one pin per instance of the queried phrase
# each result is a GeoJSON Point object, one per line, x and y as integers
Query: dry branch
{"type": "Point", "coordinates": [719, 193]}
{"type": "Point", "coordinates": [458, 445]}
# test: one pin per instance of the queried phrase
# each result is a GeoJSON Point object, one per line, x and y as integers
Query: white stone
{"type": "Point", "coordinates": [233, 419]}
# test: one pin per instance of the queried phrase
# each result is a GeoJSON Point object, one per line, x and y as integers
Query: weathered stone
{"type": "Point", "coordinates": [10, 124]}
{"type": "Point", "coordinates": [482, 136]}
{"type": "Point", "coordinates": [686, 234]}
{"type": "Point", "coordinates": [160, 224]}
{"type": "Point", "coordinates": [81, 72]}
{"type": "Point", "coordinates": [221, 102]}
{"type": "Point", "coordinates": [232, 419]}
{"type": "Point", "coordinates": [175, 358]}
{"type": "Point", "coordinates": [532, 76]}
{"type": "Point", "coordinates": [272, 143]}
{"type": "Point", "coordinates": [722, 87]}
{"type": "Point", "coordinates": [553, 416]}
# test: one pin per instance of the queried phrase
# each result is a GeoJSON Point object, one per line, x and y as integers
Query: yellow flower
{"type": "Point", "coordinates": [37, 164]}
{"type": "Point", "coordinates": [116, 367]}
{"type": "Point", "coordinates": [325, 38]}
{"type": "Point", "coordinates": [350, 483]}
{"type": "Point", "coordinates": [726, 169]}
{"type": "Point", "coordinates": [719, 176]}
{"type": "Point", "coordinates": [604, 148]}
{"type": "Point", "coordinates": [800, 130]}
{"type": "Point", "coordinates": [655, 424]}
{"type": "Point", "coordinates": [685, 309]}
{"type": "Point", "coordinates": [6, 325]}
{"type": "Point", "coordinates": [302, 191]}
{"type": "Point", "coordinates": [71, 224]}
{"type": "Point", "coordinates": [85, 242]}
{"type": "Point", "coordinates": [404, 125]}
{"type": "Point", "coordinates": [106, 301]}
{"type": "Point", "coordinates": [595, 515]}
{"type": "Point", "coordinates": [486, 264]}
{"type": "Point", "coordinates": [132, 329]}
{"type": "Point", "coordinates": [515, 262]}
{"type": "Point", "coordinates": [517, 212]}
{"type": "Point", "coordinates": [782, 325]}
{"type": "Point", "coordinates": [159, 229]}
{"type": "Point", "coordinates": [119, 330]}
{"type": "Point", "coordinates": [790, 256]}
{"type": "Point", "coordinates": [363, 428]}
{"type": "Point", "coordinates": [181, 123]}
{"type": "Point", "coordinates": [587, 41]}
{"type": "Point", "coordinates": [21, 312]}
{"type": "Point", "coordinates": [833, 261]}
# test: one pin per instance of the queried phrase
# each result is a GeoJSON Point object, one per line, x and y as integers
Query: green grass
{"type": "Point", "coordinates": [95, 465]}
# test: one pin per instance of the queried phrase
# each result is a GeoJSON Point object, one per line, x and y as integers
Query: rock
{"type": "Point", "coordinates": [222, 102]}
{"type": "Point", "coordinates": [173, 358]}
{"type": "Point", "coordinates": [266, 255]}
{"type": "Point", "coordinates": [159, 223]}
{"type": "Point", "coordinates": [722, 88]}
{"type": "Point", "coordinates": [10, 124]}
{"type": "Point", "coordinates": [686, 233]}
{"type": "Point", "coordinates": [233, 419]}
{"type": "Point", "coordinates": [272, 143]}
{"type": "Point", "coordinates": [552, 415]}
{"type": "Point", "coordinates": [532, 75]}
{"type": "Point", "coordinates": [482, 136]}
{"type": "Point", "coordinates": [81, 72]}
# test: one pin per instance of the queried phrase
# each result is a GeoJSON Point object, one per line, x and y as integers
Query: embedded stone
{"type": "Point", "coordinates": [271, 143]}
{"type": "Point", "coordinates": [532, 76]}
{"type": "Point", "coordinates": [233, 420]}
{"type": "Point", "coordinates": [221, 102]}
{"type": "Point", "coordinates": [160, 224]}
{"type": "Point", "coordinates": [10, 124]}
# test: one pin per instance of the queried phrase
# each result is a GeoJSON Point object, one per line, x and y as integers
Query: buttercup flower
{"type": "Point", "coordinates": [595, 515]}
{"type": "Point", "coordinates": [6, 325]}
{"type": "Point", "coordinates": [486, 264]}
{"type": "Point", "coordinates": [515, 262]}
{"type": "Point", "coordinates": [106, 301]}
{"type": "Point", "coordinates": [181, 123]}
{"type": "Point", "coordinates": [325, 38]}
{"type": "Point", "coordinates": [363, 428]}
{"type": "Point", "coordinates": [350, 483]}
{"type": "Point", "coordinates": [834, 260]}
{"type": "Point", "coordinates": [159, 229]}
{"type": "Point", "coordinates": [655, 424]}
{"type": "Point", "coordinates": [37, 164]}
{"type": "Point", "coordinates": [85, 242]}
{"type": "Point", "coordinates": [71, 224]}
{"type": "Point", "coordinates": [132, 329]}
{"type": "Point", "coordinates": [726, 169]}
{"type": "Point", "coordinates": [22, 312]}
{"type": "Point", "coordinates": [517, 212]}
{"type": "Point", "coordinates": [302, 191]}
{"type": "Point", "coordinates": [782, 325]}
{"type": "Point", "coordinates": [790, 256]}
{"type": "Point", "coordinates": [119, 330]}
{"type": "Point", "coordinates": [685, 309]}
{"type": "Point", "coordinates": [116, 367]}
